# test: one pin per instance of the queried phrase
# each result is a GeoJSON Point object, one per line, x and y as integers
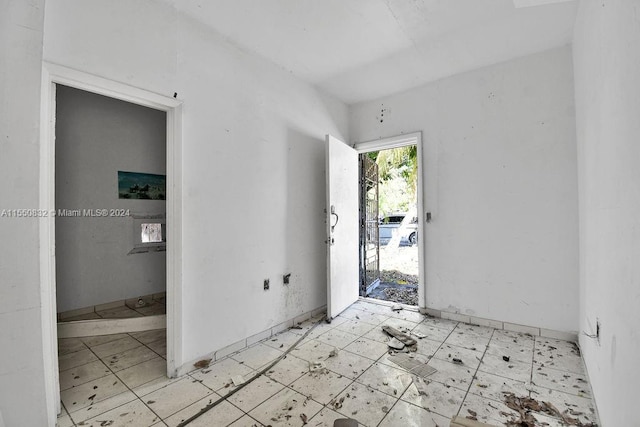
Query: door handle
{"type": "Point", "coordinates": [333, 213]}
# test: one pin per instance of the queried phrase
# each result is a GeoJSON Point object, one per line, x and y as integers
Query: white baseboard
{"type": "Point", "coordinates": [497, 324]}
{"type": "Point", "coordinates": [87, 328]}
{"type": "Point", "coordinates": [249, 341]}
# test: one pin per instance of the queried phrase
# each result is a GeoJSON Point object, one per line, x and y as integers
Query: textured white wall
{"type": "Point", "coordinates": [501, 182]}
{"type": "Point", "coordinates": [607, 65]}
{"type": "Point", "coordinates": [253, 160]}
{"type": "Point", "coordinates": [23, 400]}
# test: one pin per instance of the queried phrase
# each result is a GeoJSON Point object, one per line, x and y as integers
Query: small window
{"type": "Point", "coordinates": [151, 232]}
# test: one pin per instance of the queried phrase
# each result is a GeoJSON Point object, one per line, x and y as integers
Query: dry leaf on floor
{"type": "Point", "coordinates": [204, 363]}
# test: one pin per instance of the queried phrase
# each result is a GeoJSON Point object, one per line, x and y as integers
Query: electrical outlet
{"type": "Point", "coordinates": [266, 284]}
{"type": "Point", "coordinates": [286, 278]}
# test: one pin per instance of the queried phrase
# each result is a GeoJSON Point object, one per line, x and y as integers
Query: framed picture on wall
{"type": "Point", "coordinates": [141, 186]}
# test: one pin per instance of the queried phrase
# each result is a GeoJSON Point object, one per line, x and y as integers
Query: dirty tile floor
{"type": "Point", "coordinates": [119, 380]}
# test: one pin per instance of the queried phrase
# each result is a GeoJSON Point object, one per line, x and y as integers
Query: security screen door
{"type": "Point", "coordinates": [369, 222]}
{"type": "Point", "coordinates": [342, 226]}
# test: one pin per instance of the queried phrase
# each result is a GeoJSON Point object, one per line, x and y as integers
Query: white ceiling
{"type": "Point", "coordinates": [364, 49]}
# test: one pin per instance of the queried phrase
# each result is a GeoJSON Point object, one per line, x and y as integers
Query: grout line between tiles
{"type": "Point", "coordinates": [67, 412]}
{"type": "Point", "coordinates": [533, 358]}
{"type": "Point", "coordinates": [429, 357]}
{"type": "Point", "coordinates": [91, 350]}
{"type": "Point", "coordinates": [476, 372]}
{"type": "Point", "coordinates": [259, 374]}
{"type": "Point", "coordinates": [86, 382]}
{"type": "Point", "coordinates": [127, 386]}
{"type": "Point", "coordinates": [387, 352]}
{"type": "Point", "coordinates": [145, 345]}
{"type": "Point", "coordinates": [137, 397]}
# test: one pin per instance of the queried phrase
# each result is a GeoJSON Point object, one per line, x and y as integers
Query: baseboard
{"type": "Point", "coordinates": [130, 302]}
{"type": "Point", "coordinates": [249, 341]}
{"type": "Point", "coordinates": [87, 328]}
{"type": "Point", "coordinates": [497, 324]}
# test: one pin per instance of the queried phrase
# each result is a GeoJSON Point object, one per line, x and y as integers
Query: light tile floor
{"type": "Point", "coordinates": [119, 380]}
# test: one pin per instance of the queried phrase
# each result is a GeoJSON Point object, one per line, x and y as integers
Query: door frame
{"type": "Point", "coordinates": [403, 140]}
{"type": "Point", "coordinates": [53, 74]}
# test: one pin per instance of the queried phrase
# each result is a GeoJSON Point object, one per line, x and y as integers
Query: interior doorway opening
{"type": "Point", "coordinates": [53, 77]}
{"type": "Point", "coordinates": [110, 263]}
{"type": "Point", "coordinates": [389, 224]}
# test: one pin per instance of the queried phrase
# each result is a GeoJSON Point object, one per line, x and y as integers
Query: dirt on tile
{"type": "Point", "coordinates": [526, 407]}
{"type": "Point", "coordinates": [392, 291]}
{"type": "Point", "coordinates": [398, 275]}
{"type": "Point", "coordinates": [204, 363]}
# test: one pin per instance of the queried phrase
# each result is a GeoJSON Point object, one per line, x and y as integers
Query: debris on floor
{"type": "Point", "coordinates": [418, 335]}
{"type": "Point", "coordinates": [396, 307]}
{"type": "Point", "coordinates": [506, 358]}
{"type": "Point", "coordinates": [457, 361]}
{"type": "Point", "coordinates": [317, 367]}
{"type": "Point", "coordinates": [421, 385]}
{"type": "Point", "coordinates": [395, 276]}
{"type": "Point", "coordinates": [405, 339]}
{"type": "Point", "coordinates": [406, 294]}
{"type": "Point", "coordinates": [237, 380]}
{"type": "Point", "coordinates": [395, 344]}
{"type": "Point", "coordinates": [458, 421]}
{"type": "Point", "coordinates": [396, 287]}
{"type": "Point", "coordinates": [285, 413]}
{"type": "Point", "coordinates": [358, 402]}
{"type": "Point", "coordinates": [204, 363]}
{"type": "Point", "coordinates": [412, 365]}
{"type": "Point", "coordinates": [337, 404]}
{"type": "Point", "coordinates": [524, 406]}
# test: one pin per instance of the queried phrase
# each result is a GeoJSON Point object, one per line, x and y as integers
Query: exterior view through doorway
{"type": "Point", "coordinates": [390, 211]}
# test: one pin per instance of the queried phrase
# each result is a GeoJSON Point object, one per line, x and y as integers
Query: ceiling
{"type": "Point", "coordinates": [359, 50]}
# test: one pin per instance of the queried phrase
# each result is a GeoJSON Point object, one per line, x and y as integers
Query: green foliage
{"type": "Point", "coordinates": [398, 174]}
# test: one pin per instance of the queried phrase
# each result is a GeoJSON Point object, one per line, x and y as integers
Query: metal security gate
{"type": "Point", "coordinates": [369, 238]}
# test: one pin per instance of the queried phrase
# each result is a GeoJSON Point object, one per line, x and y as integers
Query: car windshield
{"type": "Point", "coordinates": [392, 219]}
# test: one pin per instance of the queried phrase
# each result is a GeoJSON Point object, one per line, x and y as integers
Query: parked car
{"type": "Point", "coordinates": [391, 224]}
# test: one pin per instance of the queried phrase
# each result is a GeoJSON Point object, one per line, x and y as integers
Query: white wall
{"type": "Point", "coordinates": [607, 65]}
{"type": "Point", "coordinates": [500, 181]}
{"type": "Point", "coordinates": [23, 400]}
{"type": "Point", "coordinates": [96, 137]}
{"type": "Point", "coordinates": [253, 160]}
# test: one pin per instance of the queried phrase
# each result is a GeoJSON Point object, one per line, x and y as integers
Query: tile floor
{"type": "Point", "coordinates": [119, 380]}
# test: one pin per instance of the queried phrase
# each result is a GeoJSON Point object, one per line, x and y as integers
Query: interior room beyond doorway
{"type": "Point", "coordinates": [110, 224]}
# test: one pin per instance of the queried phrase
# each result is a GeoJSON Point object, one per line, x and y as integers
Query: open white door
{"type": "Point", "coordinates": [342, 226]}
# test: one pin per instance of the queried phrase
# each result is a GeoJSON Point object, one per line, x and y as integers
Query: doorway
{"type": "Point", "coordinates": [391, 253]}
{"type": "Point", "coordinates": [53, 76]}
{"type": "Point", "coordinates": [110, 166]}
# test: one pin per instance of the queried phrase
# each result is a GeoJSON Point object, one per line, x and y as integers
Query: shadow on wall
{"type": "Point", "coordinates": [305, 222]}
